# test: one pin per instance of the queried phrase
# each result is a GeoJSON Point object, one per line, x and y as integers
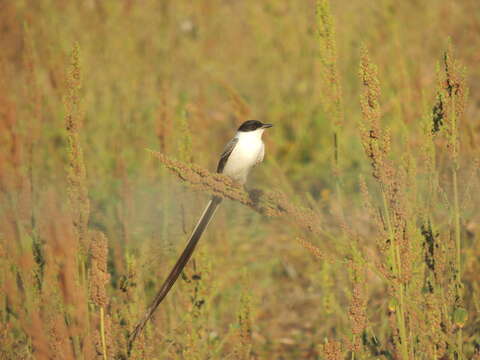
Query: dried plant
{"type": "Point", "coordinates": [332, 350]}
{"type": "Point", "coordinates": [98, 280]}
{"type": "Point", "coordinates": [243, 350]}
{"type": "Point", "coordinates": [76, 173]}
{"type": "Point", "coordinates": [368, 239]}
{"type": "Point", "coordinates": [330, 81]}
{"type": "Point", "coordinates": [393, 239]}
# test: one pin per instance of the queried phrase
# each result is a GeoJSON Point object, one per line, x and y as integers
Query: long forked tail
{"type": "Point", "coordinates": [177, 269]}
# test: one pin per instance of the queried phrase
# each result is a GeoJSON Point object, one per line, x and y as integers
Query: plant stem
{"type": "Point", "coordinates": [456, 219]}
{"type": "Point", "coordinates": [396, 262]}
{"type": "Point", "coordinates": [457, 228]}
{"type": "Point", "coordinates": [458, 262]}
{"type": "Point", "coordinates": [102, 333]}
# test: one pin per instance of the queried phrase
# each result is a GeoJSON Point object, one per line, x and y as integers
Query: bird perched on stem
{"type": "Point", "coordinates": [239, 156]}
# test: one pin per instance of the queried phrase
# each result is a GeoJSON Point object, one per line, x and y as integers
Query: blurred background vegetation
{"type": "Point", "coordinates": [87, 86]}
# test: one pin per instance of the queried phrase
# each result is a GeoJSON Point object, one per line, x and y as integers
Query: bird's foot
{"type": "Point", "coordinates": [255, 195]}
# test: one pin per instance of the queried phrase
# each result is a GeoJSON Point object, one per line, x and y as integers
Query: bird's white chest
{"type": "Point", "coordinates": [247, 153]}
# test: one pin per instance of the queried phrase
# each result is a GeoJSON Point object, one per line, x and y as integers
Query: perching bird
{"type": "Point", "coordinates": [240, 155]}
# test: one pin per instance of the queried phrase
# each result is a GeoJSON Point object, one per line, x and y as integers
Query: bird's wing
{"type": "Point", "coordinates": [226, 154]}
{"type": "Point", "coordinates": [261, 155]}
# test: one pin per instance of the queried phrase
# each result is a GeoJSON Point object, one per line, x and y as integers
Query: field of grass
{"type": "Point", "coordinates": [365, 244]}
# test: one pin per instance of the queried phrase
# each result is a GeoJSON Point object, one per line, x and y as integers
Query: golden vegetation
{"type": "Point", "coordinates": [366, 244]}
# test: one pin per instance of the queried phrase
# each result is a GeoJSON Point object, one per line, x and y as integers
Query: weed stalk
{"type": "Point", "coordinates": [102, 333]}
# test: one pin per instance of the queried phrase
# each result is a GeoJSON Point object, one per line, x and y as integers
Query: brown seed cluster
{"type": "Point", "coordinates": [358, 303]}
{"type": "Point", "coordinates": [243, 348]}
{"type": "Point", "coordinates": [314, 250]}
{"type": "Point", "coordinates": [375, 141]}
{"type": "Point", "coordinates": [452, 95]}
{"type": "Point", "coordinates": [332, 89]}
{"type": "Point", "coordinates": [76, 173]}
{"type": "Point", "coordinates": [333, 350]}
{"type": "Point", "coordinates": [99, 276]}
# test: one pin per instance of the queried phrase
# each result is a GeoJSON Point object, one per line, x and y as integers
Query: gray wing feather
{"type": "Point", "coordinates": [226, 154]}
{"type": "Point", "coordinates": [261, 155]}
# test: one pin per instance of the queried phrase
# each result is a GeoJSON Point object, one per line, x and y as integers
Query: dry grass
{"type": "Point", "coordinates": [364, 247]}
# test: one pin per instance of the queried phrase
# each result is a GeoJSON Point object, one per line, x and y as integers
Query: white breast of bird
{"type": "Point", "coordinates": [247, 153]}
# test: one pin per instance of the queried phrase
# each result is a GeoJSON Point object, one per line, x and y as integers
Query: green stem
{"type": "Point", "coordinates": [396, 265]}
{"type": "Point", "coordinates": [458, 262]}
{"type": "Point", "coordinates": [76, 347]}
{"type": "Point", "coordinates": [340, 202]}
{"type": "Point", "coordinates": [460, 344]}
{"type": "Point", "coordinates": [457, 228]}
{"type": "Point", "coordinates": [456, 215]}
{"type": "Point", "coordinates": [102, 333]}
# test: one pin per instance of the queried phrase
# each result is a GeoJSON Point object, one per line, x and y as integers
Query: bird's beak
{"type": "Point", "coordinates": [265, 126]}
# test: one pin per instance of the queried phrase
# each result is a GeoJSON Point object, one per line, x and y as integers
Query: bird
{"type": "Point", "coordinates": [243, 152]}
